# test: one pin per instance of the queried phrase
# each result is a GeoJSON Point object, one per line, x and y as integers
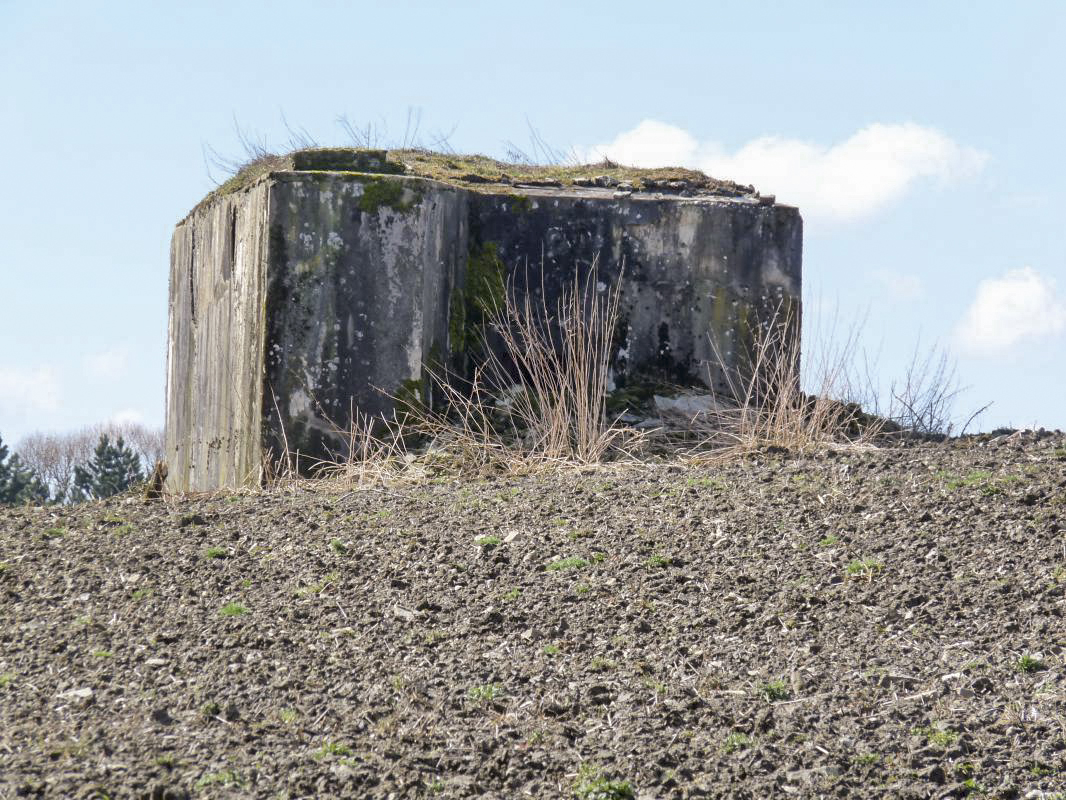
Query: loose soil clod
{"type": "Point", "coordinates": [881, 623]}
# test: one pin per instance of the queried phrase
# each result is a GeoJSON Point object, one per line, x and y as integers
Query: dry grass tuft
{"type": "Point", "coordinates": [540, 395]}
{"type": "Point", "coordinates": [376, 454]}
{"type": "Point", "coordinates": [768, 407]}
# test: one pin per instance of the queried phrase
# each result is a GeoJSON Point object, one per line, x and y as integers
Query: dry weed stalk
{"type": "Point", "coordinates": [539, 397]}
{"type": "Point", "coordinates": [376, 453]}
{"type": "Point", "coordinates": [772, 409]}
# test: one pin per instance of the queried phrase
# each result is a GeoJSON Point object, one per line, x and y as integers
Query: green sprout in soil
{"type": "Point", "coordinates": [487, 541]}
{"type": "Point", "coordinates": [965, 768]}
{"type": "Point", "coordinates": [705, 483]}
{"type": "Point", "coordinates": [55, 533]}
{"type": "Point", "coordinates": [167, 762]}
{"type": "Point", "coordinates": [972, 479]}
{"type": "Point", "coordinates": [867, 759]}
{"type": "Point", "coordinates": [210, 709]}
{"type": "Point", "coordinates": [829, 541]}
{"type": "Point", "coordinates": [775, 690]}
{"type": "Point", "coordinates": [658, 560]}
{"type": "Point", "coordinates": [330, 748]}
{"type": "Point", "coordinates": [938, 737]}
{"type": "Point", "coordinates": [512, 595]}
{"type": "Point", "coordinates": [216, 552]}
{"type": "Point", "coordinates": [101, 654]}
{"type": "Point", "coordinates": [485, 693]}
{"type": "Point", "coordinates": [582, 588]}
{"type": "Point", "coordinates": [572, 562]}
{"type": "Point", "coordinates": [1038, 769]}
{"type": "Point", "coordinates": [865, 567]}
{"type": "Point", "coordinates": [141, 594]}
{"type": "Point", "coordinates": [591, 784]}
{"type": "Point", "coordinates": [288, 716]}
{"type": "Point", "coordinates": [435, 786]}
{"type": "Point", "coordinates": [6, 678]}
{"type": "Point", "coordinates": [226, 777]}
{"type": "Point", "coordinates": [232, 610]}
{"type": "Point", "coordinates": [338, 547]}
{"type": "Point", "coordinates": [1028, 663]}
{"type": "Point", "coordinates": [736, 741]}
{"type": "Point", "coordinates": [656, 686]}
{"type": "Point", "coordinates": [551, 650]}
{"type": "Point", "coordinates": [312, 589]}
{"type": "Point", "coordinates": [122, 530]}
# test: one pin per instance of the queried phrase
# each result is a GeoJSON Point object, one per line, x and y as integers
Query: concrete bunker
{"type": "Point", "coordinates": [311, 282]}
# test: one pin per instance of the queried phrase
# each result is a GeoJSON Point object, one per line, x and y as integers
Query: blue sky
{"type": "Point", "coordinates": [923, 143]}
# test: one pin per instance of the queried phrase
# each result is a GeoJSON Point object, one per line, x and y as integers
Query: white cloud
{"type": "Point", "coordinates": [1021, 305]}
{"type": "Point", "coordinates": [107, 365]}
{"type": "Point", "coordinates": [25, 393]}
{"type": "Point", "coordinates": [900, 285]}
{"type": "Point", "coordinates": [844, 181]}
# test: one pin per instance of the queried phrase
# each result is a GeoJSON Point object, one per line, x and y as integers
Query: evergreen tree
{"type": "Point", "coordinates": [18, 484]}
{"type": "Point", "coordinates": [114, 468]}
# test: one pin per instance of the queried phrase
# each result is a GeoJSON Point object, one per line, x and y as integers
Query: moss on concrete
{"type": "Point", "coordinates": [378, 192]}
{"type": "Point", "coordinates": [457, 321]}
{"type": "Point", "coordinates": [411, 396]}
{"type": "Point", "coordinates": [482, 296]}
{"type": "Point", "coordinates": [520, 203]}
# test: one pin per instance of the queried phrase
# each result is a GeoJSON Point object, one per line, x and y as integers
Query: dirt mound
{"type": "Point", "coordinates": [885, 623]}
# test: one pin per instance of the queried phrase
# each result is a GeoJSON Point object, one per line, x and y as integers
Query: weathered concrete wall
{"type": "Point", "coordinates": [310, 293]}
{"type": "Point", "coordinates": [698, 274]}
{"type": "Point", "coordinates": [360, 270]}
{"type": "Point", "coordinates": [215, 344]}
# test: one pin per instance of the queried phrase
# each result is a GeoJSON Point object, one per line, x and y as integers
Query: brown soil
{"type": "Point", "coordinates": [884, 623]}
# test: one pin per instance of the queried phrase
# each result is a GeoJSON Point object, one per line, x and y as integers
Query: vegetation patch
{"type": "Point", "coordinates": [571, 562]}
{"type": "Point", "coordinates": [592, 784]}
{"type": "Point", "coordinates": [233, 610]}
{"type": "Point", "coordinates": [863, 567]}
{"type": "Point", "coordinates": [388, 193]}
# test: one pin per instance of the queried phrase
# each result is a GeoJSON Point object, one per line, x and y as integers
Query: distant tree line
{"type": "Point", "coordinates": [92, 463]}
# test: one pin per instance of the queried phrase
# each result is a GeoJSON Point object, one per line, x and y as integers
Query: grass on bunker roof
{"type": "Point", "coordinates": [483, 171]}
{"type": "Point", "coordinates": [710, 635]}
